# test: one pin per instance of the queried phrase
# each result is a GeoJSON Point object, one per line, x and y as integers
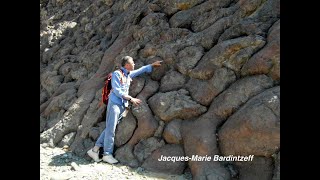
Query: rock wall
{"type": "Point", "coordinates": [217, 92]}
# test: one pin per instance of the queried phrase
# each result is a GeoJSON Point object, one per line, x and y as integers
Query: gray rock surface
{"type": "Point", "coordinates": [259, 168]}
{"type": "Point", "coordinates": [145, 147]}
{"type": "Point", "coordinates": [221, 67]}
{"type": "Point", "coordinates": [125, 130]}
{"type": "Point", "coordinates": [254, 128]}
{"type": "Point", "coordinates": [175, 104]}
{"type": "Point", "coordinates": [276, 171]}
{"type": "Point", "coordinates": [152, 163]}
{"type": "Point", "coordinates": [172, 132]}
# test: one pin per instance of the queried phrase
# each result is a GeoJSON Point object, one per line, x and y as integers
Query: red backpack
{"type": "Point", "coordinates": [107, 88]}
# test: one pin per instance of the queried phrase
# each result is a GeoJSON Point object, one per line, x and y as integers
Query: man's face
{"type": "Point", "coordinates": [130, 65]}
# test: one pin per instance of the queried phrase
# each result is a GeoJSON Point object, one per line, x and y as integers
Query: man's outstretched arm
{"type": "Point", "coordinates": [148, 68]}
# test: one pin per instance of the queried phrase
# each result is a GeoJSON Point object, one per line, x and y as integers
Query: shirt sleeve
{"type": "Point", "coordinates": [116, 84]}
{"type": "Point", "coordinates": [143, 69]}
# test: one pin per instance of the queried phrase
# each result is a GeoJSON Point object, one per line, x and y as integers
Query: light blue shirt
{"type": "Point", "coordinates": [121, 87]}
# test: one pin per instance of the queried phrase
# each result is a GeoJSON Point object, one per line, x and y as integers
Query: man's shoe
{"type": "Point", "coordinates": [94, 155]}
{"type": "Point", "coordinates": [109, 159]}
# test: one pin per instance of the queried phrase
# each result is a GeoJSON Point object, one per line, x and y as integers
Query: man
{"type": "Point", "coordinates": [118, 102]}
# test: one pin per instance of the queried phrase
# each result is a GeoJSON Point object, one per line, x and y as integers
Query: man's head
{"type": "Point", "coordinates": [128, 63]}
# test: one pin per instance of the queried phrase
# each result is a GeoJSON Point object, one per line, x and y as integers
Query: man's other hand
{"type": "Point", "coordinates": [135, 101]}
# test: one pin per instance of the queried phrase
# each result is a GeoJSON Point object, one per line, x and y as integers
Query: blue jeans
{"type": "Point", "coordinates": [106, 138]}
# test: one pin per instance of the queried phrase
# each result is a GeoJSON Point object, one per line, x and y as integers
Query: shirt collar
{"type": "Point", "coordinates": [125, 71]}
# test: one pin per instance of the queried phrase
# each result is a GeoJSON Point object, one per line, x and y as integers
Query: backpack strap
{"type": "Point", "coordinates": [122, 75]}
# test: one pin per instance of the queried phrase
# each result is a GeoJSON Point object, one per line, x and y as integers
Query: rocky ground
{"type": "Point", "coordinates": [59, 163]}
